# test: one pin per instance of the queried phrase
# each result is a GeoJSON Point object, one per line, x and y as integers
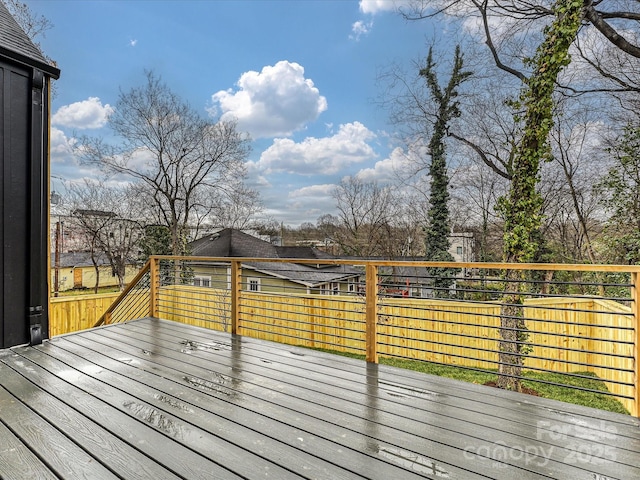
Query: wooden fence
{"type": "Point", "coordinates": [566, 332]}
{"type": "Point", "coordinates": [79, 312]}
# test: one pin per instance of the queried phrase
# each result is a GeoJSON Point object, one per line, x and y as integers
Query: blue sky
{"type": "Point", "coordinates": [300, 77]}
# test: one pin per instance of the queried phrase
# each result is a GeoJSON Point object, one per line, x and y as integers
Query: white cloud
{"type": "Point", "coordinates": [88, 113]}
{"type": "Point", "coordinates": [314, 156]}
{"type": "Point", "coordinates": [359, 29]}
{"type": "Point", "coordinates": [313, 191]}
{"type": "Point", "coordinates": [276, 101]}
{"type": "Point", "coordinates": [308, 203]}
{"type": "Point", "coordinates": [388, 170]}
{"type": "Point", "coordinates": [61, 146]}
{"type": "Point", "coordinates": [375, 6]}
{"type": "Point", "coordinates": [133, 42]}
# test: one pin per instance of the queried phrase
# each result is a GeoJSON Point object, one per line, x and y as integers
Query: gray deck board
{"type": "Point", "coordinates": [243, 401]}
{"type": "Point", "coordinates": [345, 404]}
{"type": "Point", "coordinates": [70, 460]}
{"type": "Point", "coordinates": [345, 410]}
{"type": "Point", "coordinates": [157, 399]}
{"type": "Point", "coordinates": [414, 391]}
{"type": "Point", "coordinates": [17, 460]}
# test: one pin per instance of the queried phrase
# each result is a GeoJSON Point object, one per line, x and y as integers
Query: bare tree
{"type": "Point", "coordinates": [507, 27]}
{"type": "Point", "coordinates": [236, 208]}
{"type": "Point", "coordinates": [476, 192]}
{"type": "Point", "coordinates": [620, 195]}
{"type": "Point", "coordinates": [366, 212]}
{"type": "Point", "coordinates": [178, 158]}
{"type": "Point", "coordinates": [102, 215]}
{"type": "Point", "coordinates": [577, 153]}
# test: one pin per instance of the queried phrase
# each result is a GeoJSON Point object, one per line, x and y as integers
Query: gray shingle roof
{"type": "Point", "coordinates": [234, 243]}
{"type": "Point", "coordinates": [81, 259]}
{"type": "Point", "coordinates": [16, 45]}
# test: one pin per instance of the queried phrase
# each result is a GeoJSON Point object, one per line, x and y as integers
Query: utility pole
{"type": "Point", "coordinates": [56, 274]}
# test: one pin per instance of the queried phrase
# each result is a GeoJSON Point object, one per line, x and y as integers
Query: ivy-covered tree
{"type": "Point", "coordinates": [508, 29]}
{"type": "Point", "coordinates": [521, 207]}
{"type": "Point", "coordinates": [155, 241]}
{"type": "Point", "coordinates": [437, 231]}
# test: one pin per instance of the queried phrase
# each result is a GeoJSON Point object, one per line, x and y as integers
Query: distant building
{"type": "Point", "coordinates": [77, 271]}
{"type": "Point", "coordinates": [462, 246]}
{"type": "Point", "coordinates": [292, 277]}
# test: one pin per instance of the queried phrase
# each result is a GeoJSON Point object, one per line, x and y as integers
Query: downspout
{"type": "Point", "coordinates": [37, 245]}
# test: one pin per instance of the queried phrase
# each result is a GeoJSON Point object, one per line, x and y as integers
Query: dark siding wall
{"type": "Point", "coordinates": [18, 230]}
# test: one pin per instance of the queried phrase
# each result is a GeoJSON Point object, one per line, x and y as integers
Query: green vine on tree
{"type": "Point", "coordinates": [448, 108]}
{"type": "Point", "coordinates": [521, 208]}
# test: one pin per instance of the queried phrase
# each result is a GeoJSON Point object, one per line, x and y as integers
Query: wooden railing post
{"type": "Point", "coordinates": [635, 280]}
{"type": "Point", "coordinates": [371, 335]}
{"type": "Point", "coordinates": [236, 288]}
{"type": "Point", "coordinates": [154, 282]}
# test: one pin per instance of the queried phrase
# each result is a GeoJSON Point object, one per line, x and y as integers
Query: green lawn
{"type": "Point", "coordinates": [87, 291]}
{"type": "Point", "coordinates": [565, 394]}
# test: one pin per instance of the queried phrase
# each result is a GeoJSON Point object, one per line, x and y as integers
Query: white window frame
{"type": "Point", "coordinates": [201, 281]}
{"type": "Point", "coordinates": [254, 282]}
{"type": "Point", "coordinates": [331, 288]}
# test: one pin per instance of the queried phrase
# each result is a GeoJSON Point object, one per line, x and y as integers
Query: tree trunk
{"type": "Point", "coordinates": [521, 209]}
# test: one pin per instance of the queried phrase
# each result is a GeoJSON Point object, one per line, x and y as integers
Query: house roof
{"type": "Point", "coordinates": [307, 275]}
{"type": "Point", "coordinates": [402, 274]}
{"type": "Point", "coordinates": [81, 259]}
{"type": "Point", "coordinates": [302, 252]}
{"type": "Point", "coordinates": [235, 243]}
{"type": "Point", "coordinates": [232, 243]}
{"type": "Point", "coordinates": [16, 45]}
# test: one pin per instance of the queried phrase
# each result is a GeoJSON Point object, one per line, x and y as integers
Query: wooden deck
{"type": "Point", "coordinates": [154, 399]}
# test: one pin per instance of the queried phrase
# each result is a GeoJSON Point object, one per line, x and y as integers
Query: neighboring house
{"type": "Point", "coordinates": [76, 270]}
{"type": "Point", "coordinates": [407, 281]}
{"type": "Point", "coordinates": [292, 277]}
{"type": "Point", "coordinates": [461, 246]}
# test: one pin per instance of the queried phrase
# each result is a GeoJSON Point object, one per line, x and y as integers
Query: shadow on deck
{"type": "Point", "coordinates": [158, 399]}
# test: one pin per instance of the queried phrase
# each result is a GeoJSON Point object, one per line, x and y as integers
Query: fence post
{"type": "Point", "coordinates": [635, 280]}
{"type": "Point", "coordinates": [371, 335]}
{"type": "Point", "coordinates": [154, 283]}
{"type": "Point", "coordinates": [236, 287]}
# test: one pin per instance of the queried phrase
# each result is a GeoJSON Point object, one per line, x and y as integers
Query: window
{"type": "Point", "coordinates": [352, 285]}
{"type": "Point", "coordinates": [459, 250]}
{"type": "Point", "coordinates": [332, 288]}
{"type": "Point", "coordinates": [253, 284]}
{"type": "Point", "coordinates": [202, 281]}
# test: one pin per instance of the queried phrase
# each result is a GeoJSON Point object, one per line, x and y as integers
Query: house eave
{"type": "Point", "coordinates": [50, 70]}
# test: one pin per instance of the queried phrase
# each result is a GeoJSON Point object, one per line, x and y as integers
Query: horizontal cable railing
{"type": "Point", "coordinates": [563, 324]}
{"type": "Point", "coordinates": [133, 302]}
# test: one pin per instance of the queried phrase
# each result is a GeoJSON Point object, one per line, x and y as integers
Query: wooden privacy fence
{"type": "Point", "coordinates": [79, 312]}
{"type": "Point", "coordinates": [581, 319]}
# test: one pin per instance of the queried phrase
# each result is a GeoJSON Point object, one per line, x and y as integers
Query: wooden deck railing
{"type": "Point", "coordinates": [582, 320]}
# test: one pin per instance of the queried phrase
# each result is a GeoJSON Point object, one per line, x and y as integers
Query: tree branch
{"type": "Point", "coordinates": [609, 32]}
